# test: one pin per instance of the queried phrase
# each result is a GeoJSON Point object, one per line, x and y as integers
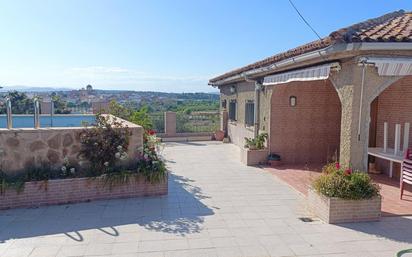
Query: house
{"type": "Point", "coordinates": [328, 99]}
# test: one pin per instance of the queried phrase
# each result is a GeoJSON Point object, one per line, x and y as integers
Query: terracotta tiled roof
{"type": "Point", "coordinates": [391, 27]}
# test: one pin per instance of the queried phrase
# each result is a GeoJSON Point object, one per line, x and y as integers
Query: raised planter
{"type": "Point", "coordinates": [336, 210]}
{"type": "Point", "coordinates": [253, 157]}
{"type": "Point", "coordinates": [62, 191]}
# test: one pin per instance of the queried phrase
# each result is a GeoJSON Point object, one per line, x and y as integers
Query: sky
{"type": "Point", "coordinates": [154, 45]}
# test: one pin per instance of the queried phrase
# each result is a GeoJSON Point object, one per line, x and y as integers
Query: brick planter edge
{"type": "Point", "coordinates": [253, 157]}
{"type": "Point", "coordinates": [336, 210]}
{"type": "Point", "coordinates": [74, 190]}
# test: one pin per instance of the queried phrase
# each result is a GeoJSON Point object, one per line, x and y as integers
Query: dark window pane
{"type": "Point", "coordinates": [250, 113]}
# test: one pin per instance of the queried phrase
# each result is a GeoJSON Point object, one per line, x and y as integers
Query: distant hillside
{"type": "Point", "coordinates": [145, 94]}
{"type": "Point", "coordinates": [33, 89]}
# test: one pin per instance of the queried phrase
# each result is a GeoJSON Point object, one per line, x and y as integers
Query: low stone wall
{"type": "Point", "coordinates": [335, 210]}
{"type": "Point", "coordinates": [184, 137]}
{"type": "Point", "coordinates": [62, 191]}
{"type": "Point", "coordinates": [253, 157]}
{"type": "Point", "coordinates": [27, 147]}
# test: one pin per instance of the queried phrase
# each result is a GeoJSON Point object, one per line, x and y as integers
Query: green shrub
{"type": "Point", "coordinates": [256, 143]}
{"type": "Point", "coordinates": [345, 184]}
{"type": "Point", "coordinates": [104, 145]}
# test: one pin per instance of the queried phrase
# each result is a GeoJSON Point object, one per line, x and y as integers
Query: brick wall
{"type": "Point", "coordinates": [310, 131]}
{"type": "Point", "coordinates": [335, 210]}
{"type": "Point", "coordinates": [63, 191]}
{"type": "Point", "coordinates": [394, 105]}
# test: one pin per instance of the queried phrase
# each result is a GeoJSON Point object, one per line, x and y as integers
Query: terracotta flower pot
{"type": "Point", "coordinates": [219, 135]}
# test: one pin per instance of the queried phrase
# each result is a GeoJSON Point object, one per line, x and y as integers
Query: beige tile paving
{"type": "Point", "coordinates": [216, 207]}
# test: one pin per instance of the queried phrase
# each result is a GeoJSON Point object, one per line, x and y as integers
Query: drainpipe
{"type": "Point", "coordinates": [364, 63]}
{"type": "Point", "coordinates": [36, 113]}
{"type": "Point", "coordinates": [361, 99]}
{"type": "Point", "coordinates": [9, 113]}
{"type": "Point", "coordinates": [256, 113]}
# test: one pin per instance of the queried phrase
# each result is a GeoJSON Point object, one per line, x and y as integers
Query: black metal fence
{"type": "Point", "coordinates": [197, 122]}
{"type": "Point", "coordinates": [189, 123]}
{"type": "Point", "coordinates": [158, 121]}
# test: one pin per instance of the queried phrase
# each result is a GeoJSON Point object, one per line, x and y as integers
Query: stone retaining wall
{"type": "Point", "coordinates": [335, 210]}
{"type": "Point", "coordinates": [62, 191]}
{"type": "Point", "coordinates": [23, 148]}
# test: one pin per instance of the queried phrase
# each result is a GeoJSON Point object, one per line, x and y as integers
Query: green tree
{"type": "Point", "coordinates": [119, 110]}
{"type": "Point", "coordinates": [142, 118]}
{"type": "Point", "coordinates": [20, 103]}
{"type": "Point", "coordinates": [60, 106]}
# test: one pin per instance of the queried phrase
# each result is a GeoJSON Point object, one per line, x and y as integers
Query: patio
{"type": "Point", "coordinates": [216, 207]}
{"type": "Point", "coordinates": [300, 178]}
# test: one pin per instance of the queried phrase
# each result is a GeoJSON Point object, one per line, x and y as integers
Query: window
{"type": "Point", "coordinates": [224, 104]}
{"type": "Point", "coordinates": [232, 110]}
{"type": "Point", "coordinates": [249, 113]}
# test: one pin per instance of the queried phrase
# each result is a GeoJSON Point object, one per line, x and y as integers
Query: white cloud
{"type": "Point", "coordinates": [104, 77]}
{"type": "Point", "coordinates": [118, 77]}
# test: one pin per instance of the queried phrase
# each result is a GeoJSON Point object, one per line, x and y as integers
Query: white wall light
{"type": "Point", "coordinates": [292, 101]}
{"type": "Point", "coordinates": [232, 89]}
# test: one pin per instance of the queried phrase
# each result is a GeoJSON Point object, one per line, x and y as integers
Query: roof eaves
{"type": "Point", "coordinates": [345, 35]}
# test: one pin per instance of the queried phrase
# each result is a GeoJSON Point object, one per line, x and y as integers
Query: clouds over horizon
{"type": "Point", "coordinates": [107, 77]}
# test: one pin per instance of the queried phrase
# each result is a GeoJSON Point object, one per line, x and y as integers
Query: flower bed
{"type": "Point", "coordinates": [103, 169]}
{"type": "Point", "coordinates": [62, 191]}
{"type": "Point", "coordinates": [337, 210]}
{"type": "Point", "coordinates": [342, 195]}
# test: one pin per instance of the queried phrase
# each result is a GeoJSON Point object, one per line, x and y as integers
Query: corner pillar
{"type": "Point", "coordinates": [224, 119]}
{"type": "Point", "coordinates": [357, 87]}
{"type": "Point", "coordinates": [170, 123]}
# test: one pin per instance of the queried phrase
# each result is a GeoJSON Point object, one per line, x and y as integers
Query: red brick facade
{"type": "Point", "coordinates": [310, 131]}
{"type": "Point", "coordinates": [394, 105]}
{"type": "Point", "coordinates": [61, 191]}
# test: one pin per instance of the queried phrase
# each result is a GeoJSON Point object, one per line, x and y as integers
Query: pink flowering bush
{"type": "Point", "coordinates": [105, 145]}
{"type": "Point", "coordinates": [345, 183]}
{"type": "Point", "coordinates": [149, 162]}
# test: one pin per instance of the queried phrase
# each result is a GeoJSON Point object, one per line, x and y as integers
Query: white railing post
{"type": "Point", "coordinates": [406, 137]}
{"type": "Point", "coordinates": [397, 138]}
{"type": "Point", "coordinates": [385, 137]}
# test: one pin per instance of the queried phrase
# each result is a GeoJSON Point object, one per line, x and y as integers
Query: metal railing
{"type": "Point", "coordinates": [158, 121]}
{"type": "Point", "coordinates": [80, 110]}
{"type": "Point", "coordinates": [197, 122]}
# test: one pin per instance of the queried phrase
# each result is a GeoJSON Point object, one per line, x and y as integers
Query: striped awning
{"type": "Point", "coordinates": [392, 66]}
{"type": "Point", "coordinates": [320, 72]}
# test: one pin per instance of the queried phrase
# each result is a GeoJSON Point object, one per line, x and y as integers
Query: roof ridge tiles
{"type": "Point", "coordinates": [390, 27]}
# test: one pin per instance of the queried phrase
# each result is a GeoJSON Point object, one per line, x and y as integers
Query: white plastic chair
{"type": "Point", "coordinates": [406, 171]}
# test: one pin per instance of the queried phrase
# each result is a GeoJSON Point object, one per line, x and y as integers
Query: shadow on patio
{"type": "Point", "coordinates": [181, 212]}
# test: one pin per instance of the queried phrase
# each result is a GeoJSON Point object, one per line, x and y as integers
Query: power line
{"type": "Point", "coordinates": [304, 20]}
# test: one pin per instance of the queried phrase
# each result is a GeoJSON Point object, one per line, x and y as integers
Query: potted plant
{"type": "Point", "coordinates": [274, 160]}
{"type": "Point", "coordinates": [254, 151]}
{"type": "Point", "coordinates": [343, 195]}
{"type": "Point", "coordinates": [219, 135]}
{"type": "Point", "coordinates": [256, 143]}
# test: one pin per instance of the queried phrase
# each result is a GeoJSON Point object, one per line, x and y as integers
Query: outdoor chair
{"type": "Point", "coordinates": [406, 170]}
